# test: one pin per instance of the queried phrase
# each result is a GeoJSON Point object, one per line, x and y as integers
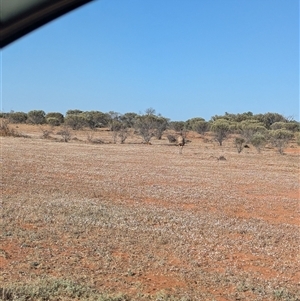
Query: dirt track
{"type": "Point", "coordinates": [142, 219]}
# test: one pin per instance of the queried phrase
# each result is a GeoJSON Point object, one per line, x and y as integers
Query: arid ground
{"type": "Point", "coordinates": [142, 222]}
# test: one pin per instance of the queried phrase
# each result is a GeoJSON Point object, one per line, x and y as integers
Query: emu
{"type": "Point", "coordinates": [180, 143]}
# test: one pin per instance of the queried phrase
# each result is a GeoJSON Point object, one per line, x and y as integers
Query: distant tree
{"type": "Point", "coordinates": [280, 138]}
{"type": "Point", "coordinates": [201, 127]}
{"type": "Point", "coordinates": [189, 124]}
{"type": "Point", "coordinates": [150, 111]}
{"type": "Point", "coordinates": [233, 117]}
{"type": "Point", "coordinates": [114, 120]}
{"type": "Point", "coordinates": [17, 117]}
{"type": "Point", "coordinates": [96, 119]}
{"type": "Point", "coordinates": [128, 119]}
{"type": "Point", "coordinates": [73, 112]}
{"type": "Point", "coordinates": [54, 118]}
{"type": "Point", "coordinates": [223, 117]}
{"type": "Point", "coordinates": [145, 126]}
{"type": "Point", "coordinates": [221, 128]}
{"type": "Point", "coordinates": [243, 116]}
{"type": "Point", "coordinates": [161, 124]}
{"type": "Point", "coordinates": [177, 126]}
{"type": "Point", "coordinates": [117, 127]}
{"type": "Point", "coordinates": [269, 118]}
{"type": "Point", "coordinates": [75, 121]}
{"type": "Point", "coordinates": [36, 117]}
{"type": "Point", "coordinates": [248, 128]}
{"type": "Point", "coordinates": [293, 126]}
{"type": "Point", "coordinates": [53, 121]}
{"type": "Point", "coordinates": [258, 140]}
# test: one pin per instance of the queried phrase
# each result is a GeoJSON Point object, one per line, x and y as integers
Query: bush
{"type": "Point", "coordinates": [73, 112]}
{"type": "Point", "coordinates": [123, 134]}
{"type": "Point", "coordinates": [177, 126]}
{"type": "Point", "coordinates": [46, 133]}
{"type": "Point", "coordinates": [280, 139]}
{"type": "Point", "coordinates": [96, 119]}
{"type": "Point", "coordinates": [249, 128]}
{"type": "Point", "coordinates": [75, 121]}
{"type": "Point", "coordinates": [53, 121]}
{"type": "Point", "coordinates": [145, 126]}
{"type": "Point", "coordinates": [5, 131]}
{"type": "Point", "coordinates": [293, 126]}
{"type": "Point", "coordinates": [258, 141]}
{"type": "Point", "coordinates": [200, 126]}
{"type": "Point", "coordinates": [128, 119]}
{"type": "Point", "coordinates": [65, 133]}
{"type": "Point", "coordinates": [17, 117]}
{"type": "Point", "coordinates": [221, 128]}
{"type": "Point", "coordinates": [54, 118]}
{"type": "Point", "coordinates": [161, 125]}
{"type": "Point", "coordinates": [190, 123]}
{"type": "Point", "coordinates": [36, 117]}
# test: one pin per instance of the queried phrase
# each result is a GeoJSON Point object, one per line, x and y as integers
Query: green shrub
{"type": "Point", "coordinates": [36, 117]}
{"type": "Point", "coordinates": [17, 117]}
{"type": "Point", "coordinates": [258, 141]}
{"type": "Point", "coordinates": [280, 139]}
{"type": "Point", "coordinates": [53, 121]}
{"type": "Point", "coordinates": [221, 128]}
{"type": "Point", "coordinates": [59, 118]}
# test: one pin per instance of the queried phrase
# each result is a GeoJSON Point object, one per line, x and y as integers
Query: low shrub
{"type": "Point", "coordinates": [6, 131]}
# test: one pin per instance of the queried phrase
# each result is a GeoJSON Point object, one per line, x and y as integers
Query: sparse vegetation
{"type": "Point", "coordinates": [46, 132]}
{"type": "Point", "coordinates": [82, 219]}
{"type": "Point", "coordinates": [7, 131]}
{"type": "Point", "coordinates": [65, 133]}
{"type": "Point", "coordinates": [123, 133]}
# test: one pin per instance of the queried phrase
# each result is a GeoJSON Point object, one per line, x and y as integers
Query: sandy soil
{"type": "Point", "coordinates": [144, 220]}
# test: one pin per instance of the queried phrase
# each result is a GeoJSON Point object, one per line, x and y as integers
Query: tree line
{"type": "Point", "coordinates": [257, 129]}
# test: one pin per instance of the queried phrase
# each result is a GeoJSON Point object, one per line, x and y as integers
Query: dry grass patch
{"type": "Point", "coordinates": [149, 223]}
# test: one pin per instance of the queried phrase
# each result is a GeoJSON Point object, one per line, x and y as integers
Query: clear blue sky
{"type": "Point", "coordinates": [184, 58]}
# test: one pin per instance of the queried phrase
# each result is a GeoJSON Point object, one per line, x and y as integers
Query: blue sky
{"type": "Point", "coordinates": [184, 58]}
